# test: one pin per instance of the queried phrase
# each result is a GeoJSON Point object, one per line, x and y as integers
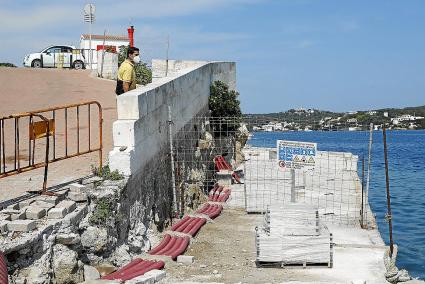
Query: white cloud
{"type": "Point", "coordinates": [27, 27]}
{"type": "Point", "coordinates": [45, 15]}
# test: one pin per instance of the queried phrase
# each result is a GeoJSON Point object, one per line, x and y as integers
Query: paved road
{"type": "Point", "coordinates": [26, 89]}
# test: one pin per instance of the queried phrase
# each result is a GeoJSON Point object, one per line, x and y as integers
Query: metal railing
{"type": "Point", "coordinates": [47, 128]}
{"type": "Point", "coordinates": [37, 130]}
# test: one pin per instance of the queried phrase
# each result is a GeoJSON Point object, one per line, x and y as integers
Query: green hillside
{"type": "Point", "coordinates": [321, 119]}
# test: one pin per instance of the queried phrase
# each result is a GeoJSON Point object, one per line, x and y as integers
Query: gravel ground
{"type": "Point", "coordinates": [26, 89]}
{"type": "Point", "coordinates": [224, 252]}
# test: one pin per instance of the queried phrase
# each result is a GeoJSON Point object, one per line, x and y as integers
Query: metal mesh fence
{"type": "Point", "coordinates": [334, 186]}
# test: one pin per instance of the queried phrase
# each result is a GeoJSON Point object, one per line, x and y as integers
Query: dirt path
{"type": "Point", "coordinates": [224, 252]}
{"type": "Point", "coordinates": [26, 89]}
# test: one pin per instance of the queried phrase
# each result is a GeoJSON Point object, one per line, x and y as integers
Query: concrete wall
{"type": "Point", "coordinates": [141, 130]}
{"type": "Point", "coordinates": [85, 45]}
{"type": "Point", "coordinates": [110, 65]}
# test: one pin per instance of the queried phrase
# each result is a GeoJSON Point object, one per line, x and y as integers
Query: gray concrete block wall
{"type": "Point", "coordinates": [142, 128]}
{"type": "Point", "coordinates": [143, 113]}
{"type": "Point", "coordinates": [110, 65]}
{"type": "Point", "coordinates": [161, 68]}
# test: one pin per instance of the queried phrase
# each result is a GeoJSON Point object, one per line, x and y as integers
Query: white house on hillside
{"type": "Point", "coordinates": [405, 117]}
{"type": "Point", "coordinates": [97, 42]}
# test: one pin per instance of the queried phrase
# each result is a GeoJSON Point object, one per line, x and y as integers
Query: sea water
{"type": "Point", "coordinates": [406, 158]}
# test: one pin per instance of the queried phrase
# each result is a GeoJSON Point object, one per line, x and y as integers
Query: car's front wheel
{"type": "Point", "coordinates": [36, 63]}
{"type": "Point", "coordinates": [78, 65]}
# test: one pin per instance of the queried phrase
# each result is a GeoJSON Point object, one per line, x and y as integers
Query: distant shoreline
{"type": "Point", "coordinates": [341, 130]}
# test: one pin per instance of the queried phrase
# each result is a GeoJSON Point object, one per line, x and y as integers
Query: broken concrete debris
{"type": "Point", "coordinates": [68, 239]}
{"type": "Point", "coordinates": [57, 213]}
{"type": "Point", "coordinates": [72, 247]}
{"type": "Point", "coordinates": [21, 226]}
{"type": "Point", "coordinates": [35, 213]}
{"type": "Point", "coordinates": [95, 239]}
{"type": "Point", "coordinates": [65, 265]}
{"type": "Point", "coordinates": [90, 273]}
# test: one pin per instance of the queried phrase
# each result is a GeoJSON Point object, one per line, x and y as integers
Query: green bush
{"type": "Point", "coordinates": [143, 72]}
{"type": "Point", "coordinates": [101, 213]}
{"type": "Point", "coordinates": [223, 102]}
{"type": "Point", "coordinates": [225, 108]}
{"type": "Point", "coordinates": [106, 173]}
{"type": "Point", "coordinates": [3, 64]}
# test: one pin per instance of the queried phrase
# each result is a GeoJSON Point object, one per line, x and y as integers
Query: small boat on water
{"type": "Point", "coordinates": [354, 128]}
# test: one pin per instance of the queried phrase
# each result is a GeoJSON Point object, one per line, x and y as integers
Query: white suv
{"type": "Point", "coordinates": [66, 56]}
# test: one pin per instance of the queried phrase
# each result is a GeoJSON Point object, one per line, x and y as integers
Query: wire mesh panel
{"type": "Point", "coordinates": [197, 146]}
{"type": "Point", "coordinates": [332, 186]}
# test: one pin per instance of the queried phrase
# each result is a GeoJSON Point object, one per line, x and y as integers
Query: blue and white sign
{"type": "Point", "coordinates": [296, 155]}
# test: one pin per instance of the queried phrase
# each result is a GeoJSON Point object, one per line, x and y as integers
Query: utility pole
{"type": "Point", "coordinates": [89, 11]}
{"type": "Point", "coordinates": [173, 176]}
{"type": "Point", "coordinates": [369, 161]}
{"type": "Point", "coordinates": [103, 54]}
{"type": "Point", "coordinates": [166, 60]}
{"type": "Point", "coordinates": [387, 182]}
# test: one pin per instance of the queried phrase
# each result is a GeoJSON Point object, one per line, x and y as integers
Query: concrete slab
{"type": "Point", "coordinates": [13, 207]}
{"type": "Point", "coordinates": [35, 213]}
{"type": "Point", "coordinates": [77, 196]}
{"type": "Point", "coordinates": [76, 187]}
{"type": "Point", "coordinates": [157, 274]}
{"type": "Point", "coordinates": [48, 199]}
{"type": "Point", "coordinates": [21, 226]}
{"type": "Point", "coordinates": [43, 204]}
{"type": "Point", "coordinates": [76, 216]}
{"type": "Point", "coordinates": [57, 213]}
{"type": "Point", "coordinates": [25, 203]}
{"type": "Point", "coordinates": [143, 279]}
{"type": "Point", "coordinates": [61, 194]}
{"type": "Point", "coordinates": [185, 259]}
{"type": "Point", "coordinates": [9, 211]}
{"type": "Point", "coordinates": [5, 217]}
{"type": "Point", "coordinates": [18, 216]}
{"type": "Point", "coordinates": [91, 180]}
{"type": "Point", "coordinates": [68, 239]}
{"type": "Point", "coordinates": [69, 205]}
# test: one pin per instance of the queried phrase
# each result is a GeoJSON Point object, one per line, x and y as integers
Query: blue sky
{"type": "Point", "coordinates": [327, 54]}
